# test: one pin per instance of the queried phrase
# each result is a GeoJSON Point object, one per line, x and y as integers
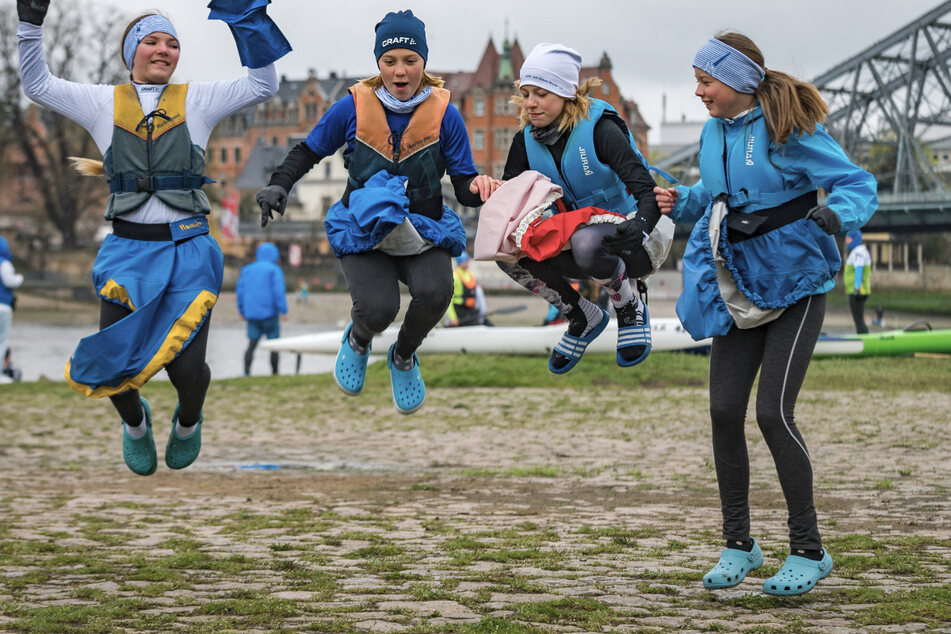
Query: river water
{"type": "Point", "coordinates": [41, 350]}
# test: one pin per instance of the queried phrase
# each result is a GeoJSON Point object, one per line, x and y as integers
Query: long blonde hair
{"type": "Point", "coordinates": [574, 111]}
{"type": "Point", "coordinates": [789, 105]}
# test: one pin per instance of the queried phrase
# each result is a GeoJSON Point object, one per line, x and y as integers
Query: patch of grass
{"type": "Point", "coordinates": [578, 611]}
{"type": "Point", "coordinates": [930, 606]}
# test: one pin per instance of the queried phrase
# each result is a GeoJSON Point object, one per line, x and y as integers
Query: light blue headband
{"type": "Point", "coordinates": [725, 63]}
{"type": "Point", "coordinates": [145, 26]}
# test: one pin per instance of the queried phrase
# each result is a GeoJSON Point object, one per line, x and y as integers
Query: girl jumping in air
{"type": "Point", "coordinates": [159, 273]}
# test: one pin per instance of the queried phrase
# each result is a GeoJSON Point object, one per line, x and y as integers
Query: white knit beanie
{"type": "Point", "coordinates": [553, 67]}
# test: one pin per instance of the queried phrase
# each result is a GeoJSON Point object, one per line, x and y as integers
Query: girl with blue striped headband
{"type": "Point", "coordinates": [160, 58]}
{"type": "Point", "coordinates": [757, 267]}
{"type": "Point", "coordinates": [736, 63]}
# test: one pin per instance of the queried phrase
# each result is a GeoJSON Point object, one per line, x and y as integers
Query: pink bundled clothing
{"type": "Point", "coordinates": [516, 222]}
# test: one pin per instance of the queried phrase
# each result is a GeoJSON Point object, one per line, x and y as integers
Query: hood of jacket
{"type": "Point", "coordinates": [267, 252]}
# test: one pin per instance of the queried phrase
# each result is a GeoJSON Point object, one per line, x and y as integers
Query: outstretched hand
{"type": "Point", "coordinates": [271, 198]}
{"type": "Point", "coordinates": [484, 185]}
{"type": "Point", "coordinates": [666, 197]}
{"type": "Point", "coordinates": [32, 11]}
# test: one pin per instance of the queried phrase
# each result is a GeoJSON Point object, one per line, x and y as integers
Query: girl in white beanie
{"type": "Point", "coordinates": [607, 210]}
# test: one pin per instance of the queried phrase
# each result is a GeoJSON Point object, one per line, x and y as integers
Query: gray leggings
{"type": "Point", "coordinates": [780, 351]}
{"type": "Point", "coordinates": [374, 277]}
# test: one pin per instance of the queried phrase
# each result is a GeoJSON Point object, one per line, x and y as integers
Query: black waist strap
{"type": "Point", "coordinates": [185, 180]}
{"type": "Point", "coordinates": [741, 226]}
{"type": "Point", "coordinates": [138, 231]}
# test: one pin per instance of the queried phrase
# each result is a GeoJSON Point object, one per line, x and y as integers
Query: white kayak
{"type": "Point", "coordinates": [667, 334]}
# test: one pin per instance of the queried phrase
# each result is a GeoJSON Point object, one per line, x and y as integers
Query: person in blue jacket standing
{"type": "Point", "coordinates": [756, 269]}
{"type": "Point", "coordinates": [262, 300]}
{"type": "Point", "coordinates": [402, 135]}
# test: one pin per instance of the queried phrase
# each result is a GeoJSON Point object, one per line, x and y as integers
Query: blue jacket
{"type": "Point", "coordinates": [261, 291]}
{"type": "Point", "coordinates": [779, 268]}
{"type": "Point", "coordinates": [587, 181]}
{"type": "Point", "coordinates": [6, 294]}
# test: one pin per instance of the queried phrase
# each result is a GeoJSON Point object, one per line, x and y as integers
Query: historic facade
{"type": "Point", "coordinates": [246, 145]}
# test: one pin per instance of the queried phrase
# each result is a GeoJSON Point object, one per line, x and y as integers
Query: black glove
{"type": "Point", "coordinates": [629, 235]}
{"type": "Point", "coordinates": [32, 11]}
{"type": "Point", "coordinates": [827, 219]}
{"type": "Point", "coordinates": [271, 198]}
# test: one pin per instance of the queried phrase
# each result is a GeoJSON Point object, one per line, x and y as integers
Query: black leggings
{"type": "Point", "coordinates": [188, 372]}
{"type": "Point", "coordinates": [857, 306]}
{"type": "Point", "coordinates": [780, 351]}
{"type": "Point", "coordinates": [374, 277]}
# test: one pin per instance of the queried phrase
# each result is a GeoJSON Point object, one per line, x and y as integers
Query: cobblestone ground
{"type": "Point", "coordinates": [514, 510]}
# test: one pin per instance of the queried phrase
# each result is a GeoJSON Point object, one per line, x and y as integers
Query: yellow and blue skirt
{"type": "Point", "coordinates": [169, 276]}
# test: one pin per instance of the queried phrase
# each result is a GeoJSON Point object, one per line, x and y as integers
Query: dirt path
{"type": "Point", "coordinates": [490, 510]}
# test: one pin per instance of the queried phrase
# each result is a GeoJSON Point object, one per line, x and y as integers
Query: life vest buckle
{"type": "Point", "coordinates": [145, 184]}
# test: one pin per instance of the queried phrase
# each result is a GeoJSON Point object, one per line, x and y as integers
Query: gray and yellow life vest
{"type": "Point", "coordinates": [153, 154]}
{"type": "Point", "coordinates": [415, 153]}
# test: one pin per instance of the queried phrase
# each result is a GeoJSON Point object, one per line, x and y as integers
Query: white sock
{"type": "Point", "coordinates": [591, 313]}
{"type": "Point", "coordinates": [136, 431]}
{"type": "Point", "coordinates": [184, 432]}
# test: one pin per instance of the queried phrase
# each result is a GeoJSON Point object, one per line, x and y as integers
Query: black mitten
{"type": "Point", "coordinates": [271, 198]}
{"type": "Point", "coordinates": [827, 219]}
{"type": "Point", "coordinates": [32, 11]}
{"type": "Point", "coordinates": [629, 235]}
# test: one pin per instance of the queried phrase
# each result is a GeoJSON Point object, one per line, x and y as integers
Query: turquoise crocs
{"type": "Point", "coordinates": [733, 567]}
{"type": "Point", "coordinates": [573, 347]}
{"type": "Point", "coordinates": [409, 392]}
{"type": "Point", "coordinates": [633, 331]}
{"type": "Point", "coordinates": [350, 370]}
{"type": "Point", "coordinates": [139, 453]}
{"type": "Point", "coordinates": [181, 452]}
{"type": "Point", "coordinates": [798, 575]}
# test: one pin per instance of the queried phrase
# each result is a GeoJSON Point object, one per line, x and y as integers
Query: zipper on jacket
{"type": "Point", "coordinates": [396, 139]}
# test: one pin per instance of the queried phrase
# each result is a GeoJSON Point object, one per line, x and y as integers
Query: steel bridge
{"type": "Point", "coordinates": [889, 108]}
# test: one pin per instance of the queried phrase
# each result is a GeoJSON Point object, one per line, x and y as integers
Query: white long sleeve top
{"type": "Point", "coordinates": [92, 106]}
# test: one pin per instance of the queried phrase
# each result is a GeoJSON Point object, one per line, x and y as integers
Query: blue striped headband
{"type": "Point", "coordinates": [145, 26]}
{"type": "Point", "coordinates": [725, 63]}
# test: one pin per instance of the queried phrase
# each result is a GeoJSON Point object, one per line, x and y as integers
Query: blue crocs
{"type": "Point", "coordinates": [409, 391]}
{"type": "Point", "coordinates": [633, 331]}
{"type": "Point", "coordinates": [181, 452]}
{"type": "Point", "coordinates": [350, 370]}
{"type": "Point", "coordinates": [139, 453]}
{"type": "Point", "coordinates": [573, 347]}
{"type": "Point", "coordinates": [733, 567]}
{"type": "Point", "coordinates": [798, 575]}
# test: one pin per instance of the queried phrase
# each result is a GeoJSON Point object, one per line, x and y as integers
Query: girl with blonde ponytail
{"type": "Point", "coordinates": [756, 269]}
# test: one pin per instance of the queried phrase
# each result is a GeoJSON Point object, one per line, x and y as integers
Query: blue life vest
{"type": "Point", "coordinates": [587, 181]}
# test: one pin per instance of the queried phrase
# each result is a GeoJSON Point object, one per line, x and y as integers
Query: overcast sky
{"type": "Point", "coordinates": [651, 44]}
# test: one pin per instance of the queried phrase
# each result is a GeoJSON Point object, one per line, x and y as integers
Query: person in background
{"type": "Point", "coordinates": [402, 135]}
{"type": "Point", "coordinates": [760, 289]}
{"type": "Point", "coordinates": [159, 273]}
{"type": "Point", "coordinates": [466, 309]}
{"type": "Point", "coordinates": [9, 280]}
{"type": "Point", "coordinates": [262, 300]}
{"type": "Point", "coordinates": [856, 278]}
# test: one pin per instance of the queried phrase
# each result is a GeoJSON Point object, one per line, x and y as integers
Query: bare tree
{"type": "Point", "coordinates": [82, 44]}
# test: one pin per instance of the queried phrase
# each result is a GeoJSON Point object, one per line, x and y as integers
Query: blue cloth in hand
{"type": "Point", "coordinates": [260, 42]}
